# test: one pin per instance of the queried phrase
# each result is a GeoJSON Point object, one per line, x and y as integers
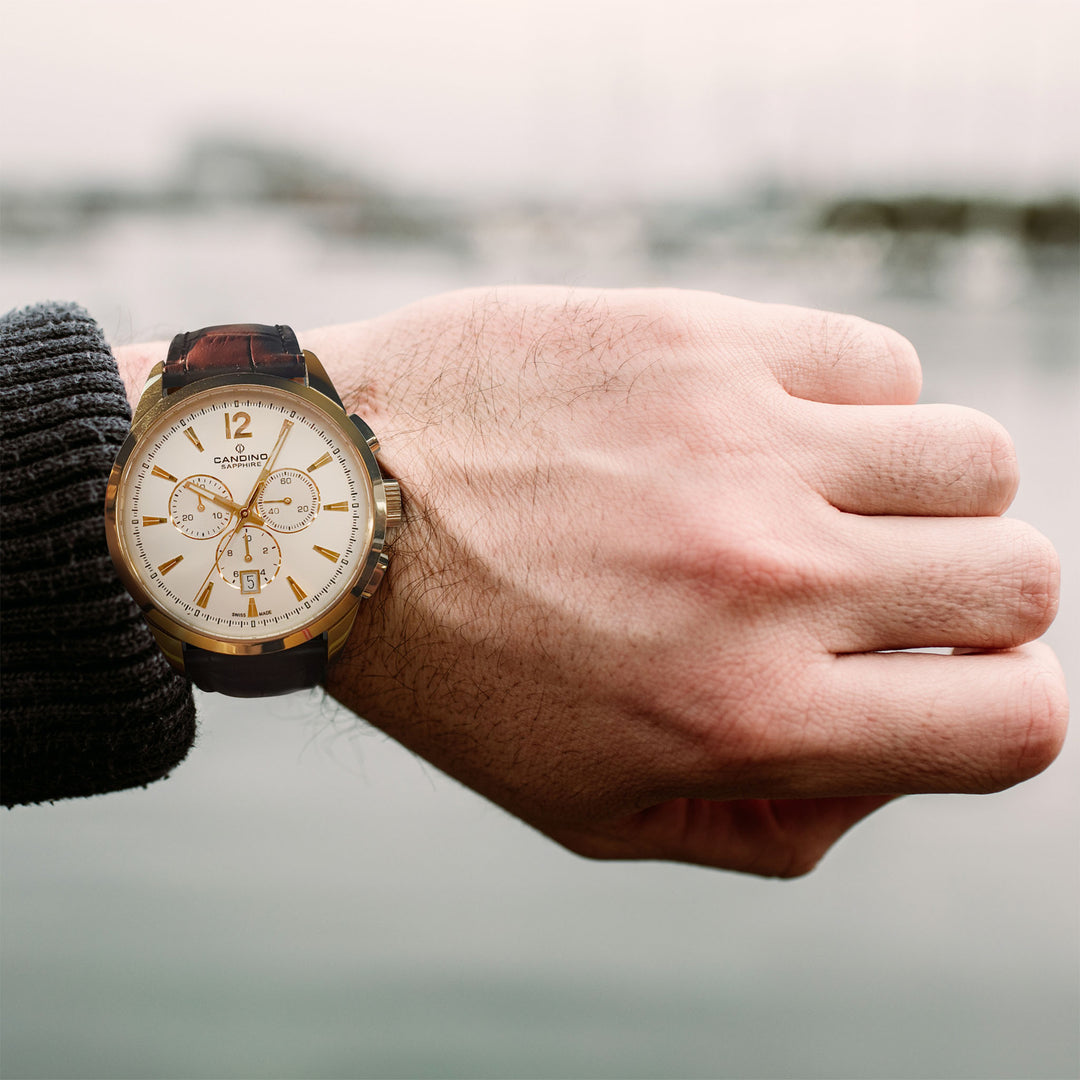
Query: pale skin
{"type": "Point", "coordinates": [658, 547]}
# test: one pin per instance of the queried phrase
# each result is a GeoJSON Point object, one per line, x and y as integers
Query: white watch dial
{"type": "Point", "coordinates": [245, 513]}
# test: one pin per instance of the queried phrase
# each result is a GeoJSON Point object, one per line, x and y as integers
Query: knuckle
{"type": "Point", "coordinates": [1040, 719]}
{"type": "Point", "coordinates": [1039, 581]}
{"type": "Point", "coordinates": [746, 571]}
{"type": "Point", "coordinates": [1004, 472]}
{"type": "Point", "coordinates": [586, 846]}
{"type": "Point", "coordinates": [989, 460]}
{"type": "Point", "coordinates": [906, 370]}
{"type": "Point", "coordinates": [763, 726]}
{"type": "Point", "coordinates": [797, 864]}
{"type": "Point", "coordinates": [859, 343]}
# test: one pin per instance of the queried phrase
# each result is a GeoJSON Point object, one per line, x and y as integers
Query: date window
{"type": "Point", "coordinates": [250, 582]}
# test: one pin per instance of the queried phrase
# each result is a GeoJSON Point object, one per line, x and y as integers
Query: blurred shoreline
{"type": "Point", "coordinates": [909, 231]}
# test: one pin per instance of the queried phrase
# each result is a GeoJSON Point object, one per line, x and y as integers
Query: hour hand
{"type": "Point", "coordinates": [250, 516]}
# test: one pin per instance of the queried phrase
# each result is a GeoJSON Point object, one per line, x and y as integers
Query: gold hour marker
{"type": "Point", "coordinates": [324, 460]}
{"type": "Point", "coordinates": [154, 520]}
{"type": "Point", "coordinates": [336, 506]}
{"type": "Point", "coordinates": [157, 470]}
{"type": "Point", "coordinates": [252, 609]}
{"type": "Point", "coordinates": [204, 596]}
{"type": "Point", "coordinates": [190, 433]}
{"type": "Point", "coordinates": [333, 556]}
{"type": "Point", "coordinates": [297, 591]}
{"type": "Point", "coordinates": [165, 567]}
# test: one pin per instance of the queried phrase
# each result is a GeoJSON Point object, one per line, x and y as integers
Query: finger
{"type": "Point", "coordinates": [923, 459]}
{"type": "Point", "coordinates": [925, 722]}
{"type": "Point", "coordinates": [771, 837]}
{"type": "Point", "coordinates": [841, 359]}
{"type": "Point", "coordinates": [989, 583]}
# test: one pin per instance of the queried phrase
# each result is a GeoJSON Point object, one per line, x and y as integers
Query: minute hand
{"type": "Point", "coordinates": [286, 427]}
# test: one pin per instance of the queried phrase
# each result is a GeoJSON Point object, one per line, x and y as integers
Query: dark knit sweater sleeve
{"type": "Point", "coordinates": [89, 702]}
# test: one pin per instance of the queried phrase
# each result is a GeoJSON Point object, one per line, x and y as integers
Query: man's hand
{"type": "Point", "coordinates": [659, 549]}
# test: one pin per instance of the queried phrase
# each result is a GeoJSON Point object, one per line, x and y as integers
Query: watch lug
{"type": "Point", "coordinates": [151, 394]}
{"type": "Point", "coordinates": [366, 433]}
{"type": "Point", "coordinates": [172, 647]}
{"type": "Point", "coordinates": [377, 573]}
{"type": "Point", "coordinates": [338, 634]}
{"type": "Point", "coordinates": [319, 380]}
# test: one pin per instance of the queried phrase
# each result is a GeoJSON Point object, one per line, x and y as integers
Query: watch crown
{"type": "Point", "coordinates": [392, 491]}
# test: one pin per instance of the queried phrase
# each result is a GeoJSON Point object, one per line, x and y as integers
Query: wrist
{"type": "Point", "coordinates": [135, 362]}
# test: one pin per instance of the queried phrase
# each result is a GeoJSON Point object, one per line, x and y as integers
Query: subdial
{"type": "Point", "coordinates": [192, 508]}
{"type": "Point", "coordinates": [249, 559]}
{"type": "Point", "coordinates": [289, 501]}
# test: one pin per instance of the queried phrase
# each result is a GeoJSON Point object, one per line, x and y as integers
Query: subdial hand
{"type": "Point", "coordinates": [247, 549]}
{"type": "Point", "coordinates": [250, 516]}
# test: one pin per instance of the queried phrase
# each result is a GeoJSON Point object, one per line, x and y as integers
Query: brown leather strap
{"type": "Point", "coordinates": [233, 349]}
{"type": "Point", "coordinates": [261, 675]}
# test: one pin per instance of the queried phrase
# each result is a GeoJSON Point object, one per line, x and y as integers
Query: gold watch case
{"type": "Point", "coordinates": [385, 501]}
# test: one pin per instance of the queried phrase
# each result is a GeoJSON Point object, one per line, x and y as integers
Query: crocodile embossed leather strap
{"type": "Point", "coordinates": [244, 349]}
{"type": "Point", "coordinates": [233, 349]}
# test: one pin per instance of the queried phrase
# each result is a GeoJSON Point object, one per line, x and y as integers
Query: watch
{"type": "Point", "coordinates": [246, 512]}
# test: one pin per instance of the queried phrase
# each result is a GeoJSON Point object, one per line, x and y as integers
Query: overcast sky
{"type": "Point", "coordinates": [595, 97]}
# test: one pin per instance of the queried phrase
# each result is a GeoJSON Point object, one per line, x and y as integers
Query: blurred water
{"type": "Point", "coordinates": [305, 899]}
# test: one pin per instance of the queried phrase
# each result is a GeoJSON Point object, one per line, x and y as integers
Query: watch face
{"type": "Point", "coordinates": [244, 512]}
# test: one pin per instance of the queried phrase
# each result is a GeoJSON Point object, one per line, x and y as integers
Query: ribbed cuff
{"type": "Point", "coordinates": [89, 703]}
